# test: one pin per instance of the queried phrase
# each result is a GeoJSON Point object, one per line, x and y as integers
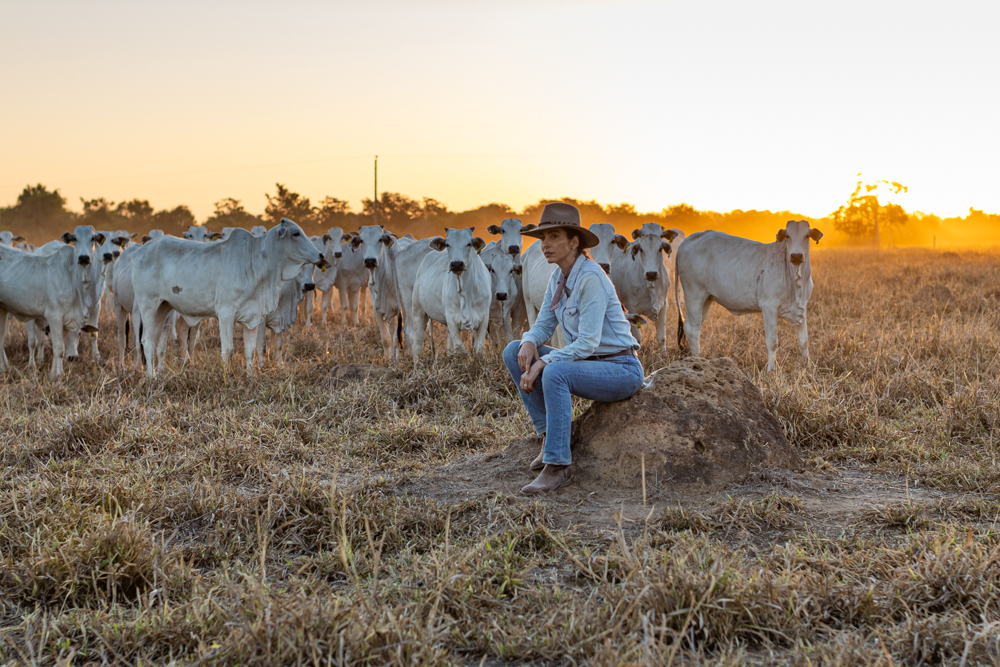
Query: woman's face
{"type": "Point", "coordinates": [558, 247]}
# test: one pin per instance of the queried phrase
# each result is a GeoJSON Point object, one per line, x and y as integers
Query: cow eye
{"type": "Point", "coordinates": [296, 234]}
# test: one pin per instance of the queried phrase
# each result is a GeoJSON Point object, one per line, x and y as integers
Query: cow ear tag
{"type": "Point", "coordinates": [323, 270]}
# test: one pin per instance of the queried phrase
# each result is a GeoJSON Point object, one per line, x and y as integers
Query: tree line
{"type": "Point", "coordinates": [41, 214]}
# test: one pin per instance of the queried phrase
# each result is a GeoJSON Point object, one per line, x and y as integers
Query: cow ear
{"type": "Point", "coordinates": [282, 230]}
{"type": "Point", "coordinates": [518, 269]}
{"type": "Point", "coordinates": [147, 238]}
{"type": "Point", "coordinates": [665, 246]}
{"type": "Point", "coordinates": [493, 229]}
{"type": "Point", "coordinates": [344, 238]}
{"type": "Point", "coordinates": [100, 238]}
{"type": "Point", "coordinates": [782, 235]}
{"type": "Point", "coordinates": [620, 241]}
{"type": "Point", "coordinates": [67, 237]}
{"type": "Point", "coordinates": [18, 239]}
{"type": "Point", "coordinates": [438, 243]}
{"type": "Point", "coordinates": [326, 238]}
{"type": "Point", "coordinates": [215, 236]}
{"type": "Point", "coordinates": [528, 227]}
{"type": "Point", "coordinates": [356, 242]}
{"type": "Point", "coordinates": [388, 240]}
{"type": "Point", "coordinates": [119, 241]}
{"type": "Point", "coordinates": [815, 235]}
{"type": "Point", "coordinates": [670, 234]}
{"type": "Point", "coordinates": [186, 235]}
{"type": "Point", "coordinates": [478, 244]}
{"type": "Point", "coordinates": [636, 233]}
{"type": "Point", "coordinates": [635, 249]}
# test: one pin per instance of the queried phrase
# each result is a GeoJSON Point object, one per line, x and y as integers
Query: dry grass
{"type": "Point", "coordinates": [207, 518]}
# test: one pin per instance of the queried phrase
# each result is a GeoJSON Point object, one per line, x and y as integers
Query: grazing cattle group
{"type": "Point", "coordinates": [257, 279]}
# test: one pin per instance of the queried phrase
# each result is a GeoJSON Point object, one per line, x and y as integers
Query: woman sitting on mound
{"type": "Point", "coordinates": [599, 361]}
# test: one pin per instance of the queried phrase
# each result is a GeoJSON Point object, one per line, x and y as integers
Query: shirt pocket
{"type": "Point", "coordinates": [571, 320]}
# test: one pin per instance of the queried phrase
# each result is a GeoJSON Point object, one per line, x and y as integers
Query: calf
{"type": "Point", "coordinates": [744, 276]}
{"type": "Point", "coordinates": [505, 283]}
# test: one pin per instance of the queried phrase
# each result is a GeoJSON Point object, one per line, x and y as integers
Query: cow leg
{"type": "Point", "coordinates": [153, 319]}
{"type": "Point", "coordinates": [363, 302]}
{"type": "Point", "coordinates": [261, 345]}
{"type": "Point", "coordinates": [57, 333]}
{"type": "Point", "coordinates": [309, 308]}
{"type": "Point", "coordinates": [121, 319]}
{"type": "Point", "coordinates": [661, 327]}
{"type": "Point", "coordinates": [418, 325]}
{"type": "Point", "coordinates": [250, 344]}
{"type": "Point", "coordinates": [696, 307]}
{"type": "Point", "coordinates": [4, 318]}
{"type": "Point", "coordinates": [29, 330]}
{"type": "Point", "coordinates": [226, 324]}
{"type": "Point", "coordinates": [454, 336]}
{"type": "Point", "coordinates": [277, 350]}
{"type": "Point", "coordinates": [771, 335]}
{"type": "Point", "coordinates": [803, 335]}
{"type": "Point", "coordinates": [72, 345]}
{"type": "Point", "coordinates": [194, 335]}
{"type": "Point", "coordinates": [479, 338]}
{"type": "Point", "coordinates": [93, 347]}
{"type": "Point", "coordinates": [353, 306]}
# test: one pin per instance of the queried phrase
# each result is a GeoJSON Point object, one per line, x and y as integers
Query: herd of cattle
{"type": "Point", "coordinates": [166, 286]}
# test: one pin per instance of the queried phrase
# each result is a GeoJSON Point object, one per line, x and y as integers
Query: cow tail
{"type": "Point", "coordinates": [126, 330]}
{"type": "Point", "coordinates": [142, 350]}
{"type": "Point", "coordinates": [399, 330]}
{"type": "Point", "coordinates": [677, 302]}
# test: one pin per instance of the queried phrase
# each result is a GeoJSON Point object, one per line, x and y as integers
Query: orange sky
{"type": "Point", "coordinates": [720, 104]}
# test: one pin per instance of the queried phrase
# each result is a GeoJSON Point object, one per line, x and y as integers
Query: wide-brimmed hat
{"type": "Point", "coordinates": [559, 215]}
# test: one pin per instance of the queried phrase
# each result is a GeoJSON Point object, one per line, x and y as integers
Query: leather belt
{"type": "Point", "coordinates": [602, 357]}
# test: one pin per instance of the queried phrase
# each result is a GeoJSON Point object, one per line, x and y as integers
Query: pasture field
{"type": "Point", "coordinates": [308, 518]}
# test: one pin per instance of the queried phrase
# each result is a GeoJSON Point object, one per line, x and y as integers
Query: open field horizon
{"type": "Point", "coordinates": [207, 517]}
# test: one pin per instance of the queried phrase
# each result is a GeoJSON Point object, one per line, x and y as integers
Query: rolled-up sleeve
{"type": "Point", "coordinates": [593, 304]}
{"type": "Point", "coordinates": [545, 323]}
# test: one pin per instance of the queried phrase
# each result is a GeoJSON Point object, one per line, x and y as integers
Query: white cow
{"type": "Point", "coordinates": [236, 281]}
{"type": "Point", "coordinates": [124, 300]}
{"type": "Point", "coordinates": [52, 288]}
{"type": "Point", "coordinates": [284, 316]}
{"type": "Point", "coordinates": [9, 240]}
{"type": "Point", "coordinates": [453, 288]}
{"type": "Point", "coordinates": [505, 286]}
{"type": "Point", "coordinates": [108, 254]}
{"type": "Point", "coordinates": [392, 265]}
{"type": "Point", "coordinates": [745, 277]}
{"type": "Point", "coordinates": [350, 276]}
{"type": "Point", "coordinates": [258, 230]}
{"type": "Point", "coordinates": [85, 241]}
{"type": "Point", "coordinates": [512, 241]}
{"type": "Point", "coordinates": [201, 234]}
{"type": "Point", "coordinates": [535, 274]}
{"type": "Point", "coordinates": [153, 235]}
{"type": "Point", "coordinates": [641, 278]}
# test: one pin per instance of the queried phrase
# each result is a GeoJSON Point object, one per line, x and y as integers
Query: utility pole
{"type": "Point", "coordinates": [376, 191]}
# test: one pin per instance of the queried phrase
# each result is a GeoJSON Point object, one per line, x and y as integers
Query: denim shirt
{"type": "Point", "coordinates": [589, 313]}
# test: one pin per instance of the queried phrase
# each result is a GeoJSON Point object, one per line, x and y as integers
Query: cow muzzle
{"type": "Point", "coordinates": [501, 296]}
{"type": "Point", "coordinates": [652, 275]}
{"type": "Point", "coordinates": [796, 258]}
{"type": "Point", "coordinates": [83, 260]}
{"type": "Point", "coordinates": [457, 267]}
{"type": "Point", "coordinates": [108, 257]}
{"type": "Point", "coordinates": [514, 250]}
{"type": "Point", "coordinates": [309, 287]}
{"type": "Point", "coordinates": [338, 255]}
{"type": "Point", "coordinates": [371, 263]}
{"type": "Point", "coordinates": [606, 267]}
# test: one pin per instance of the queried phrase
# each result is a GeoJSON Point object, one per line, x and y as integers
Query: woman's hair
{"type": "Point", "coordinates": [570, 233]}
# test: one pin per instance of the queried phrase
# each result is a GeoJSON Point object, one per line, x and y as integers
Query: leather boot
{"type": "Point", "coordinates": [550, 479]}
{"type": "Point", "coordinates": [538, 464]}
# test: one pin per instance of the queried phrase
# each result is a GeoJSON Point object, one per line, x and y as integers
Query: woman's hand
{"type": "Point", "coordinates": [529, 379]}
{"type": "Point", "coordinates": [527, 354]}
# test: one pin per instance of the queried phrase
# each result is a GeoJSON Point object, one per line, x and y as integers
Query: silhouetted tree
{"type": "Point", "coordinates": [176, 220]}
{"type": "Point", "coordinates": [863, 216]}
{"type": "Point", "coordinates": [333, 212]}
{"type": "Point", "coordinates": [395, 211]}
{"type": "Point", "coordinates": [229, 212]}
{"type": "Point", "coordinates": [291, 205]}
{"type": "Point", "coordinates": [37, 209]}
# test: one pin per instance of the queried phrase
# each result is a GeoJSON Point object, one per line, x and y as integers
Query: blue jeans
{"type": "Point", "coordinates": [550, 404]}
